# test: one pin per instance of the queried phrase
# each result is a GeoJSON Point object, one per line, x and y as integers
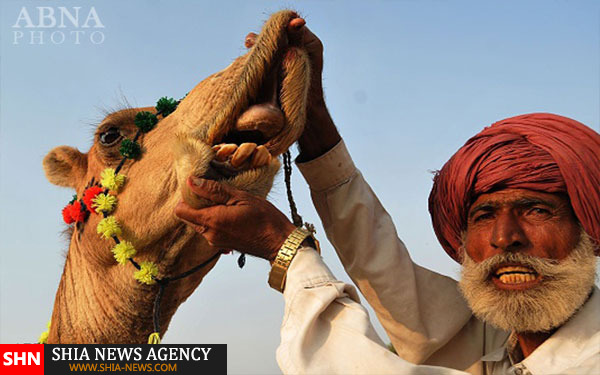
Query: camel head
{"type": "Point", "coordinates": [231, 127]}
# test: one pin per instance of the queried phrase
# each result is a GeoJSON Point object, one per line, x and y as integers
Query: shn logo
{"type": "Point", "coordinates": [18, 358]}
{"type": "Point", "coordinates": [74, 26]}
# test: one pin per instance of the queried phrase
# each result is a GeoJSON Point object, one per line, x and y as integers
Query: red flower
{"type": "Point", "coordinates": [77, 212]}
{"type": "Point", "coordinates": [66, 214]}
{"type": "Point", "coordinates": [89, 194]}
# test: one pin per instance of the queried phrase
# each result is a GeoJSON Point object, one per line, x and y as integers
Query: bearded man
{"type": "Point", "coordinates": [518, 206]}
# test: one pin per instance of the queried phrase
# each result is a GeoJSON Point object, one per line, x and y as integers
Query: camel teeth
{"type": "Point", "coordinates": [225, 151]}
{"type": "Point", "coordinates": [242, 153]}
{"type": "Point", "coordinates": [261, 157]}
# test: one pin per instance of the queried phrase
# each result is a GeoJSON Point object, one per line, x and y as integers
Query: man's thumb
{"type": "Point", "coordinates": [210, 190]}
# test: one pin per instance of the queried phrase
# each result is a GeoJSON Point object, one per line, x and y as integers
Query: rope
{"type": "Point", "coordinates": [287, 167]}
{"type": "Point", "coordinates": [162, 284]}
{"type": "Point", "coordinates": [156, 308]}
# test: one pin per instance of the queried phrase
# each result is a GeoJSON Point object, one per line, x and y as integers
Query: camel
{"type": "Point", "coordinates": [231, 127]}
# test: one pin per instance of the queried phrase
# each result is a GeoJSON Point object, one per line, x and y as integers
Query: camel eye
{"type": "Point", "coordinates": [110, 137]}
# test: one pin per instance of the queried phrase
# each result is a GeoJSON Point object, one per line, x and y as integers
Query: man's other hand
{"type": "Point", "coordinates": [320, 133]}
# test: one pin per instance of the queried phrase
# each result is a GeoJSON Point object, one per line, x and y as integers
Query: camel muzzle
{"type": "Point", "coordinates": [261, 96]}
{"type": "Point", "coordinates": [249, 113]}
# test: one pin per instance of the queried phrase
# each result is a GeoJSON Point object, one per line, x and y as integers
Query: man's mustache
{"type": "Point", "coordinates": [564, 285]}
{"type": "Point", "coordinates": [542, 266]}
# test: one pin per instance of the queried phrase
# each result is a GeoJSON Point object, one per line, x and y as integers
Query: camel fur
{"type": "Point", "coordinates": [98, 301]}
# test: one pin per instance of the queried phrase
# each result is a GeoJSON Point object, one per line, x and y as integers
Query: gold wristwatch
{"type": "Point", "coordinates": [285, 255]}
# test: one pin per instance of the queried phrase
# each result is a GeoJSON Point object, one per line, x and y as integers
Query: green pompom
{"type": "Point", "coordinates": [145, 121]}
{"type": "Point", "coordinates": [130, 149]}
{"type": "Point", "coordinates": [166, 106]}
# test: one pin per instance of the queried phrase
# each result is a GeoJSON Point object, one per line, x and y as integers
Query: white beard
{"type": "Point", "coordinates": [563, 289]}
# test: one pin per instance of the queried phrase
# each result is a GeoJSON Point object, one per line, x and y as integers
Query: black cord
{"type": "Point", "coordinates": [287, 168]}
{"type": "Point", "coordinates": [156, 309]}
{"type": "Point", "coordinates": [162, 284]}
{"type": "Point", "coordinates": [195, 269]}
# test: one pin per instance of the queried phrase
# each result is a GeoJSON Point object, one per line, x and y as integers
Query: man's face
{"type": "Point", "coordinates": [520, 221]}
{"type": "Point", "coordinates": [527, 264]}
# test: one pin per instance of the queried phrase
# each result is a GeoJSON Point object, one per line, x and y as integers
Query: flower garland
{"type": "Point", "coordinates": [101, 199]}
{"type": "Point", "coordinates": [97, 199]}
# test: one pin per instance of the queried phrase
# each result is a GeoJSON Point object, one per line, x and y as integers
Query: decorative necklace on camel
{"type": "Point", "coordinates": [97, 199]}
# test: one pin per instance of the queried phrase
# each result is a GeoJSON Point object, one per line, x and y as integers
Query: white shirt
{"type": "Point", "coordinates": [325, 330]}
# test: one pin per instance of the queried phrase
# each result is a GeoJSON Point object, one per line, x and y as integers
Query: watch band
{"type": "Point", "coordinates": [288, 250]}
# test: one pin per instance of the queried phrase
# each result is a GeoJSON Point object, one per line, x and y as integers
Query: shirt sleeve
{"type": "Point", "coordinates": [325, 330]}
{"type": "Point", "coordinates": [421, 311]}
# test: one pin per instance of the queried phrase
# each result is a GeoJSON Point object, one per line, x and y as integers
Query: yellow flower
{"type": "Point", "coordinates": [144, 275]}
{"type": "Point", "coordinates": [44, 336]}
{"type": "Point", "coordinates": [154, 338]}
{"type": "Point", "coordinates": [109, 227]}
{"type": "Point", "coordinates": [123, 251]}
{"type": "Point", "coordinates": [104, 203]}
{"type": "Point", "coordinates": [110, 180]}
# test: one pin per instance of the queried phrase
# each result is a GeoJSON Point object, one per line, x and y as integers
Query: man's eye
{"type": "Point", "coordinates": [110, 137]}
{"type": "Point", "coordinates": [539, 211]}
{"type": "Point", "coordinates": [483, 216]}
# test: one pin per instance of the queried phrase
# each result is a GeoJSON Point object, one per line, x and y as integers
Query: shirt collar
{"type": "Point", "coordinates": [571, 342]}
{"type": "Point", "coordinates": [495, 355]}
{"type": "Point", "coordinates": [563, 349]}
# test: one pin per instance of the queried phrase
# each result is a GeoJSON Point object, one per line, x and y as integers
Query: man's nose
{"type": "Point", "coordinates": [508, 235]}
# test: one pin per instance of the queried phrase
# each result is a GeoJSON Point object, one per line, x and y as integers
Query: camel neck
{"type": "Point", "coordinates": [99, 301]}
{"type": "Point", "coordinates": [96, 304]}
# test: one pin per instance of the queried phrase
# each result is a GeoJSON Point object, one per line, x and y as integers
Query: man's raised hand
{"type": "Point", "coordinates": [320, 133]}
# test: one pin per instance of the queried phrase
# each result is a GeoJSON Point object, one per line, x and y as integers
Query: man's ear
{"type": "Point", "coordinates": [65, 166]}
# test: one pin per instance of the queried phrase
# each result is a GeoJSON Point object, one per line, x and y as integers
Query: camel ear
{"type": "Point", "coordinates": [65, 166]}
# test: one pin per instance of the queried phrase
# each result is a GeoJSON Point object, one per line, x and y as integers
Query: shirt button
{"type": "Point", "coordinates": [518, 371]}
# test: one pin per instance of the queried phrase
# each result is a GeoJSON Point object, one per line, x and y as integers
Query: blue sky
{"type": "Point", "coordinates": [407, 82]}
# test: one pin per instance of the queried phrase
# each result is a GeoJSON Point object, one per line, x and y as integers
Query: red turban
{"type": "Point", "coordinates": [538, 151]}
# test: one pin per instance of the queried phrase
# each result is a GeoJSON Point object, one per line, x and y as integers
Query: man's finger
{"type": "Point", "coordinates": [310, 41]}
{"type": "Point", "coordinates": [250, 40]}
{"type": "Point", "coordinates": [196, 217]}
{"type": "Point", "coordinates": [296, 24]}
{"type": "Point", "coordinates": [295, 30]}
{"type": "Point", "coordinates": [210, 190]}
